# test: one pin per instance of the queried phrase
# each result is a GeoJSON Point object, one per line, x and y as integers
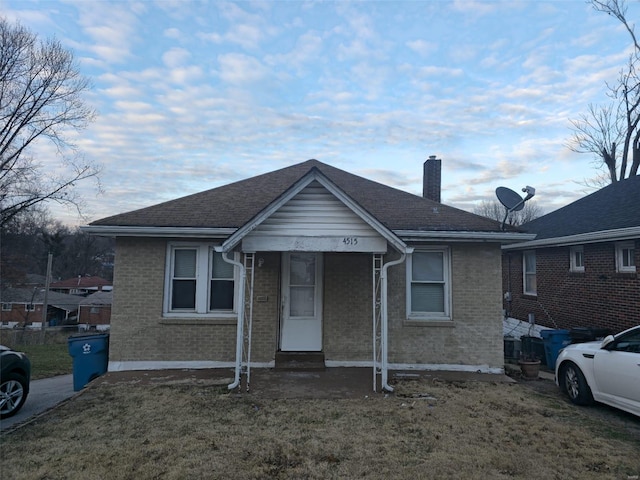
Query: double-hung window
{"type": "Point", "coordinates": [625, 257]}
{"type": "Point", "coordinates": [576, 259]}
{"type": "Point", "coordinates": [529, 273]}
{"type": "Point", "coordinates": [199, 281]}
{"type": "Point", "coordinates": [6, 307]}
{"type": "Point", "coordinates": [428, 282]}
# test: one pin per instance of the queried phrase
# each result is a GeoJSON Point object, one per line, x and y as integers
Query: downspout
{"type": "Point", "coordinates": [240, 328]}
{"type": "Point", "coordinates": [385, 321]}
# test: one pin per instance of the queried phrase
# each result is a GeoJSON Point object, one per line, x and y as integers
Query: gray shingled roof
{"type": "Point", "coordinates": [613, 207]}
{"type": "Point", "coordinates": [233, 205]}
{"type": "Point", "coordinates": [28, 296]}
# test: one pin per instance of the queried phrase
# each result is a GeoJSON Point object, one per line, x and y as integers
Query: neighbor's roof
{"type": "Point", "coordinates": [234, 205]}
{"type": "Point", "coordinates": [98, 298]}
{"type": "Point", "coordinates": [36, 297]}
{"type": "Point", "coordinates": [87, 281]}
{"type": "Point", "coordinates": [611, 213]}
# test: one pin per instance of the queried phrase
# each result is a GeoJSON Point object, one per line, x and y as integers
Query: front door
{"type": "Point", "coordinates": [301, 302]}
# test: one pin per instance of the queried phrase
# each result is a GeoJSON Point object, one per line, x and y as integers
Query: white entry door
{"type": "Point", "coordinates": [301, 302]}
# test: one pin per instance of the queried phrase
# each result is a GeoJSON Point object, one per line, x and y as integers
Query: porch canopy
{"type": "Point", "coordinates": [314, 215]}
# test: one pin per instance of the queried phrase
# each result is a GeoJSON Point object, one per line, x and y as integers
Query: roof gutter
{"type": "Point", "coordinates": [462, 236]}
{"type": "Point", "coordinates": [137, 231]}
{"type": "Point", "coordinates": [580, 238]}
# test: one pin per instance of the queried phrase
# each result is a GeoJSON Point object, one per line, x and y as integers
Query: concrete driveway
{"type": "Point", "coordinates": [43, 395]}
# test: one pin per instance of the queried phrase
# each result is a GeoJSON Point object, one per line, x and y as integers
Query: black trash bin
{"type": "Point", "coordinates": [588, 334]}
{"type": "Point", "coordinates": [90, 355]}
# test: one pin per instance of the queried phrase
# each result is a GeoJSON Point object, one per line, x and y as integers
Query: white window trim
{"type": "Point", "coordinates": [427, 316]}
{"type": "Point", "coordinates": [7, 307]}
{"type": "Point", "coordinates": [621, 247]}
{"type": "Point", "coordinates": [524, 273]}
{"type": "Point", "coordinates": [573, 266]}
{"type": "Point", "coordinates": [30, 307]}
{"type": "Point", "coordinates": [203, 279]}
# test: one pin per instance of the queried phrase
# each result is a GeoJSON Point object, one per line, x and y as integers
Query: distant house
{"type": "Point", "coordinates": [307, 261]}
{"type": "Point", "coordinates": [581, 270]}
{"type": "Point", "coordinates": [95, 310]}
{"type": "Point", "coordinates": [81, 285]}
{"type": "Point", "coordinates": [23, 307]}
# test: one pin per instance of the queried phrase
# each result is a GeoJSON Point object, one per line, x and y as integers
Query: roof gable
{"type": "Point", "coordinates": [315, 207]}
{"type": "Point", "coordinates": [613, 207]}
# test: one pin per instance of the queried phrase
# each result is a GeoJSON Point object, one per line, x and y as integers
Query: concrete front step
{"type": "Point", "coordinates": [300, 361]}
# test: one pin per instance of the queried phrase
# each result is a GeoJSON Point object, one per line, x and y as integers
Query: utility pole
{"type": "Point", "coordinates": [45, 306]}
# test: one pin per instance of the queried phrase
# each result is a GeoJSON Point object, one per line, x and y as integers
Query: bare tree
{"type": "Point", "coordinates": [496, 211]}
{"type": "Point", "coordinates": [40, 101]}
{"type": "Point", "coordinates": [612, 132]}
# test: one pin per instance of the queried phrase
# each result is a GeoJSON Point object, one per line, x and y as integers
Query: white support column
{"type": "Point", "coordinates": [249, 261]}
{"type": "Point", "coordinates": [377, 334]}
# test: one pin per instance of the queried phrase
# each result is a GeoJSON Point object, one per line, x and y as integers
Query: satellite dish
{"type": "Point", "coordinates": [511, 200]}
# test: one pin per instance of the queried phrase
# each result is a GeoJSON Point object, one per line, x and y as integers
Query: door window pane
{"type": "Point", "coordinates": [302, 302]}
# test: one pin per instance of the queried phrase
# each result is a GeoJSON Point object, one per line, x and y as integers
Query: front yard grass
{"type": "Point", "coordinates": [463, 430]}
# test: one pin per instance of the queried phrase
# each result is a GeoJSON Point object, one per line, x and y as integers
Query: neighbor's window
{"type": "Point", "coordinates": [428, 274]}
{"type": "Point", "coordinates": [30, 307]}
{"type": "Point", "coordinates": [199, 281]}
{"type": "Point", "coordinates": [625, 257]}
{"type": "Point", "coordinates": [6, 307]}
{"type": "Point", "coordinates": [577, 259]}
{"type": "Point", "coordinates": [529, 272]}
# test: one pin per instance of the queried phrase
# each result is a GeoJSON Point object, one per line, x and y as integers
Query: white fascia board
{"type": "Point", "coordinates": [458, 236]}
{"type": "Point", "coordinates": [314, 175]}
{"type": "Point", "coordinates": [616, 235]}
{"type": "Point", "coordinates": [176, 232]}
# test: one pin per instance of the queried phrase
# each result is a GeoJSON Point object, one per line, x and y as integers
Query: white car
{"type": "Point", "coordinates": [606, 371]}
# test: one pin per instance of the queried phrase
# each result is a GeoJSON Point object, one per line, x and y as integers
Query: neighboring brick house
{"type": "Point", "coordinates": [94, 311]}
{"type": "Point", "coordinates": [308, 260]}
{"type": "Point", "coordinates": [581, 269]}
{"type": "Point", "coordinates": [81, 285]}
{"type": "Point", "coordinates": [23, 307]}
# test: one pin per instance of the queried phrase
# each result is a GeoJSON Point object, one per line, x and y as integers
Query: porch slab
{"type": "Point", "coordinates": [281, 384]}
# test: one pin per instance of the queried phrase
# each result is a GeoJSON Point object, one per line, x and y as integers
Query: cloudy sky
{"type": "Point", "coordinates": [193, 95]}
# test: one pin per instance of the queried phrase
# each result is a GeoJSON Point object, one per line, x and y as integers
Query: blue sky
{"type": "Point", "coordinates": [193, 95]}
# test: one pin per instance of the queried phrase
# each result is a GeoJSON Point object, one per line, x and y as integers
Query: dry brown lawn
{"type": "Point", "coordinates": [435, 430]}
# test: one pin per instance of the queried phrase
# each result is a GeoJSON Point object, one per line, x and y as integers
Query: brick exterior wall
{"type": "Point", "coordinates": [140, 333]}
{"type": "Point", "coordinates": [94, 314]}
{"type": "Point", "coordinates": [599, 297]}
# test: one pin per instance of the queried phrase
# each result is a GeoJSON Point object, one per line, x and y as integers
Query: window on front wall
{"type": "Point", "coordinates": [199, 281]}
{"type": "Point", "coordinates": [625, 257]}
{"type": "Point", "coordinates": [30, 307]}
{"type": "Point", "coordinates": [529, 273]}
{"type": "Point", "coordinates": [6, 307]}
{"type": "Point", "coordinates": [576, 259]}
{"type": "Point", "coordinates": [428, 295]}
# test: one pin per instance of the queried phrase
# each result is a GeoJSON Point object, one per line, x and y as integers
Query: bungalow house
{"type": "Point", "coordinates": [581, 269]}
{"type": "Point", "coordinates": [23, 307]}
{"type": "Point", "coordinates": [81, 285]}
{"type": "Point", "coordinates": [94, 311]}
{"type": "Point", "coordinates": [308, 261]}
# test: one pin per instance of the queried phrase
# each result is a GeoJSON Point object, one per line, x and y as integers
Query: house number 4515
{"type": "Point", "coordinates": [350, 240]}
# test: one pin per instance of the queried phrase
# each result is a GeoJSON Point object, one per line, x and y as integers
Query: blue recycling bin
{"type": "Point", "coordinates": [90, 355]}
{"type": "Point", "coordinates": [554, 341]}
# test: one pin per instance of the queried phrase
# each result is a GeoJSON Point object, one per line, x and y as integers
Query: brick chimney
{"type": "Point", "coordinates": [431, 178]}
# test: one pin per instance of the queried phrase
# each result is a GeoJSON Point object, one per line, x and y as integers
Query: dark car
{"type": "Point", "coordinates": [14, 381]}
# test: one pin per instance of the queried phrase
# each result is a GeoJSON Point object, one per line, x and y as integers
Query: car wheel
{"type": "Point", "coordinates": [575, 385]}
{"type": "Point", "coordinates": [13, 394]}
